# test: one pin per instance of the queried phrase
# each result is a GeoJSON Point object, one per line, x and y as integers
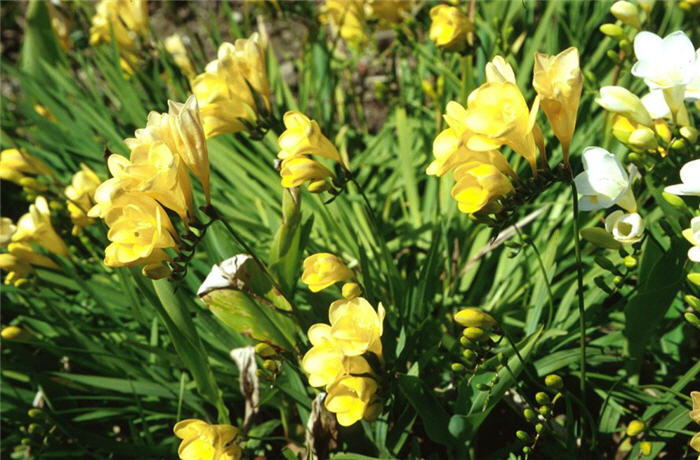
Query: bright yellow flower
{"type": "Point", "coordinates": [139, 230]}
{"type": "Point", "coordinates": [181, 129]}
{"type": "Point", "coordinates": [16, 165]}
{"type": "Point", "coordinates": [450, 150]}
{"type": "Point", "coordinates": [44, 112]}
{"type": "Point", "coordinates": [224, 89]}
{"type": "Point", "coordinates": [346, 17]}
{"type": "Point", "coordinates": [15, 269]}
{"type": "Point", "coordinates": [449, 27]}
{"type": "Point", "coordinates": [356, 326]}
{"type": "Point", "coordinates": [303, 136]}
{"type": "Point", "coordinates": [558, 82]}
{"type": "Point", "coordinates": [478, 186]}
{"type": "Point", "coordinates": [7, 229]}
{"type": "Point", "coordinates": [325, 362]}
{"type": "Point", "coordinates": [349, 398]}
{"type": "Point", "coordinates": [35, 226]}
{"type": "Point", "coordinates": [80, 195]}
{"type": "Point", "coordinates": [695, 415]}
{"type": "Point", "coordinates": [322, 270]}
{"type": "Point", "coordinates": [175, 45]}
{"type": "Point", "coordinates": [499, 71]}
{"type": "Point", "coordinates": [498, 115]}
{"type": "Point", "coordinates": [391, 11]}
{"type": "Point", "coordinates": [127, 20]}
{"type": "Point", "coordinates": [297, 170]}
{"type": "Point", "coordinates": [202, 441]}
{"type": "Point", "coordinates": [25, 253]}
{"type": "Point", "coordinates": [15, 333]}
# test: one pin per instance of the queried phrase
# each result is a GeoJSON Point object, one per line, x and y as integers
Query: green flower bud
{"type": "Point", "coordinates": [457, 367]}
{"type": "Point", "coordinates": [476, 334]}
{"type": "Point", "coordinates": [617, 280]}
{"type": "Point", "coordinates": [269, 365]}
{"type": "Point", "coordinates": [678, 144]}
{"type": "Point", "coordinates": [633, 157]}
{"type": "Point", "coordinates": [530, 415]}
{"type": "Point", "coordinates": [526, 450]}
{"type": "Point", "coordinates": [34, 428]}
{"type": "Point", "coordinates": [645, 448]}
{"type": "Point", "coordinates": [692, 319]}
{"type": "Point", "coordinates": [265, 350]}
{"type": "Point", "coordinates": [694, 278]}
{"type": "Point", "coordinates": [627, 13]}
{"type": "Point", "coordinates": [469, 355]}
{"type": "Point", "coordinates": [613, 31]}
{"type": "Point", "coordinates": [673, 200]}
{"type": "Point", "coordinates": [689, 133]}
{"type": "Point", "coordinates": [465, 341]}
{"type": "Point", "coordinates": [34, 412]}
{"type": "Point", "coordinates": [554, 382]}
{"type": "Point", "coordinates": [544, 410]}
{"type": "Point", "coordinates": [635, 427]}
{"type": "Point", "coordinates": [474, 317]}
{"type": "Point", "coordinates": [542, 398]}
{"type": "Point", "coordinates": [643, 139]}
{"type": "Point", "coordinates": [692, 301]}
{"type": "Point", "coordinates": [539, 428]}
{"type": "Point", "coordinates": [630, 261]}
{"type": "Point", "coordinates": [523, 436]}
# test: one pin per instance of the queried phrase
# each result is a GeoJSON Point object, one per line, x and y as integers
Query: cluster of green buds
{"type": "Point", "coordinates": [620, 267]}
{"type": "Point", "coordinates": [36, 434]}
{"type": "Point", "coordinates": [476, 343]}
{"type": "Point", "coordinates": [629, 21]}
{"type": "Point", "coordinates": [540, 414]}
{"type": "Point", "coordinates": [271, 364]}
{"type": "Point", "coordinates": [691, 314]}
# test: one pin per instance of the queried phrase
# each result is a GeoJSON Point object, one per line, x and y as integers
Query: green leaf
{"type": "Point", "coordinates": [429, 409]}
{"type": "Point", "coordinates": [40, 43]}
{"type": "Point", "coordinates": [600, 237]}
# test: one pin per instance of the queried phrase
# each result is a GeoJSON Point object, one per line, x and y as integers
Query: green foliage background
{"type": "Point", "coordinates": [119, 359]}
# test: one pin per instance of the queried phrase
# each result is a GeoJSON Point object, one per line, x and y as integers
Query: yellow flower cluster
{"type": "Point", "coordinates": [348, 18]}
{"type": "Point", "coordinates": [33, 227]}
{"type": "Point", "coordinates": [497, 115]}
{"type": "Point", "coordinates": [449, 27]}
{"type": "Point", "coordinates": [202, 441]}
{"type": "Point", "coordinates": [131, 202]}
{"type": "Point", "coordinates": [303, 137]}
{"type": "Point", "coordinates": [80, 194]}
{"type": "Point", "coordinates": [128, 21]}
{"type": "Point", "coordinates": [233, 86]}
{"type": "Point", "coordinates": [20, 167]}
{"type": "Point", "coordinates": [336, 358]}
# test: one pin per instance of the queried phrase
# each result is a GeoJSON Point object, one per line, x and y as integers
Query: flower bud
{"type": "Point", "coordinates": [692, 301]}
{"type": "Point", "coordinates": [539, 428]}
{"type": "Point", "coordinates": [645, 448]}
{"type": "Point", "coordinates": [351, 290]}
{"type": "Point", "coordinates": [630, 262]}
{"type": "Point", "coordinates": [613, 31]}
{"type": "Point", "coordinates": [16, 334]}
{"type": "Point", "coordinates": [530, 415]}
{"type": "Point", "coordinates": [554, 382]}
{"type": "Point", "coordinates": [465, 341]}
{"type": "Point", "coordinates": [265, 350]}
{"type": "Point", "coordinates": [523, 436]}
{"type": "Point", "coordinates": [617, 280]}
{"type": "Point", "coordinates": [627, 13]}
{"type": "Point", "coordinates": [635, 427]}
{"type": "Point", "coordinates": [33, 428]}
{"type": "Point", "coordinates": [542, 398]}
{"type": "Point", "coordinates": [543, 410]}
{"type": "Point", "coordinates": [692, 319]}
{"type": "Point", "coordinates": [457, 367]}
{"type": "Point", "coordinates": [678, 144]}
{"type": "Point", "coordinates": [662, 130]}
{"type": "Point", "coordinates": [476, 334]}
{"type": "Point", "coordinates": [643, 139]}
{"type": "Point", "coordinates": [694, 278]}
{"type": "Point", "coordinates": [526, 450]}
{"type": "Point", "coordinates": [474, 317]}
{"type": "Point", "coordinates": [156, 271]}
{"type": "Point", "coordinates": [34, 412]}
{"type": "Point", "coordinates": [319, 186]}
{"type": "Point", "coordinates": [270, 365]}
{"type": "Point", "coordinates": [469, 355]}
{"type": "Point", "coordinates": [689, 133]}
{"type": "Point", "coordinates": [620, 100]}
{"type": "Point", "coordinates": [673, 200]}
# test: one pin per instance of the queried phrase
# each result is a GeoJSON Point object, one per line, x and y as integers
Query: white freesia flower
{"type": "Point", "coordinates": [668, 64]}
{"type": "Point", "coordinates": [656, 105]}
{"type": "Point", "coordinates": [692, 234]}
{"type": "Point", "coordinates": [604, 182]}
{"type": "Point", "coordinates": [690, 178]}
{"type": "Point", "coordinates": [625, 228]}
{"type": "Point", "coordinates": [620, 100]}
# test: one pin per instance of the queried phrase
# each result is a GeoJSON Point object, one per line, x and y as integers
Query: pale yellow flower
{"type": "Point", "coordinates": [449, 27]}
{"type": "Point", "coordinates": [349, 398]}
{"type": "Point", "coordinates": [35, 227]}
{"type": "Point", "coordinates": [14, 268]}
{"type": "Point", "coordinates": [499, 71]}
{"type": "Point", "coordinates": [127, 20]}
{"type": "Point", "coordinates": [175, 45]}
{"type": "Point", "coordinates": [478, 186]}
{"type": "Point", "coordinates": [303, 136]}
{"type": "Point", "coordinates": [299, 169]}
{"type": "Point", "coordinates": [390, 11]}
{"type": "Point", "coordinates": [325, 362]}
{"type": "Point", "coordinates": [346, 18]}
{"type": "Point", "coordinates": [324, 269]}
{"type": "Point", "coordinates": [16, 165]}
{"type": "Point", "coordinates": [224, 89]}
{"type": "Point", "coordinates": [80, 197]}
{"type": "Point", "coordinates": [202, 441]}
{"type": "Point", "coordinates": [558, 82]}
{"type": "Point", "coordinates": [7, 229]}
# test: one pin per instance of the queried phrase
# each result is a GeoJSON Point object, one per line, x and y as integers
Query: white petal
{"type": "Point", "coordinates": [647, 45]}
{"type": "Point", "coordinates": [681, 189]}
{"type": "Point", "coordinates": [678, 49]}
{"type": "Point", "coordinates": [656, 105]}
{"type": "Point", "coordinates": [694, 254]}
{"type": "Point", "coordinates": [690, 174]}
{"type": "Point", "coordinates": [612, 219]}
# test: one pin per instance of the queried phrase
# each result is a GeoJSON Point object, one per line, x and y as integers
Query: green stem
{"type": "Point", "coordinates": [550, 297]}
{"type": "Point", "coordinates": [581, 309]}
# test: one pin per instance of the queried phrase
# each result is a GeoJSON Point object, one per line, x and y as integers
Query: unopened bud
{"type": "Point", "coordinates": [643, 139]}
{"type": "Point", "coordinates": [635, 427]}
{"type": "Point", "coordinates": [269, 365]}
{"type": "Point", "coordinates": [627, 13]}
{"type": "Point", "coordinates": [542, 398]}
{"type": "Point", "coordinates": [156, 271]}
{"type": "Point", "coordinates": [530, 415]}
{"type": "Point", "coordinates": [692, 301]}
{"type": "Point", "coordinates": [633, 157]}
{"type": "Point", "coordinates": [469, 355]}
{"type": "Point", "coordinates": [474, 317]}
{"type": "Point", "coordinates": [617, 280]}
{"type": "Point", "coordinates": [33, 428]}
{"type": "Point", "coordinates": [689, 133]}
{"type": "Point", "coordinates": [694, 278]}
{"type": "Point", "coordinates": [523, 436]}
{"type": "Point", "coordinates": [554, 382]}
{"type": "Point", "coordinates": [476, 334]}
{"type": "Point", "coordinates": [645, 448]}
{"type": "Point", "coordinates": [351, 290]}
{"type": "Point", "coordinates": [630, 261]}
{"type": "Point", "coordinates": [34, 412]}
{"type": "Point", "coordinates": [526, 450]}
{"type": "Point", "coordinates": [457, 367]}
{"type": "Point", "coordinates": [465, 342]}
{"type": "Point", "coordinates": [613, 31]}
{"type": "Point", "coordinates": [319, 186]}
{"type": "Point", "coordinates": [265, 350]}
{"type": "Point", "coordinates": [16, 334]}
{"type": "Point", "coordinates": [544, 410]}
{"type": "Point", "coordinates": [539, 428]}
{"type": "Point", "coordinates": [673, 200]}
{"type": "Point", "coordinates": [678, 144]}
{"type": "Point", "coordinates": [692, 319]}
{"type": "Point", "coordinates": [662, 130]}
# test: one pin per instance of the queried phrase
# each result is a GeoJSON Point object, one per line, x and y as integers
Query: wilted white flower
{"type": "Point", "coordinates": [625, 228]}
{"type": "Point", "coordinates": [604, 182]}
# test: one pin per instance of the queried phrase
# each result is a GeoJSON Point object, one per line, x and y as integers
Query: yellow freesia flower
{"type": "Point", "coordinates": [322, 270]}
{"type": "Point", "coordinates": [7, 229]}
{"type": "Point", "coordinates": [695, 415]}
{"type": "Point", "coordinates": [175, 45]}
{"type": "Point", "coordinates": [297, 170]}
{"type": "Point", "coordinates": [80, 195]}
{"type": "Point", "coordinates": [346, 18]}
{"type": "Point", "coordinates": [349, 398]}
{"type": "Point", "coordinates": [498, 115]}
{"type": "Point", "coordinates": [303, 136]}
{"type": "Point", "coordinates": [139, 231]}
{"type": "Point", "coordinates": [25, 253]}
{"type": "Point", "coordinates": [224, 89]}
{"type": "Point", "coordinates": [15, 269]}
{"type": "Point", "coordinates": [499, 71]}
{"type": "Point", "coordinates": [449, 27]}
{"type": "Point", "coordinates": [181, 130]}
{"type": "Point", "coordinates": [127, 20]}
{"type": "Point", "coordinates": [478, 186]}
{"type": "Point", "coordinates": [356, 326]}
{"type": "Point", "coordinates": [202, 441]}
{"type": "Point", "coordinates": [35, 227]}
{"type": "Point", "coordinates": [558, 82]}
{"type": "Point", "coordinates": [15, 165]}
{"type": "Point", "coordinates": [391, 11]}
